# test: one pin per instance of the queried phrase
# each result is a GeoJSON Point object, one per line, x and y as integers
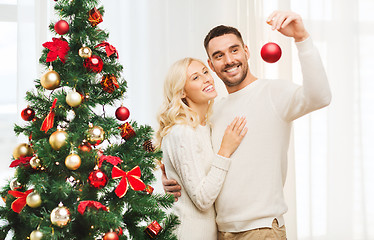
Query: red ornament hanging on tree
{"type": "Point", "coordinates": [111, 236]}
{"type": "Point", "coordinates": [271, 52]}
{"type": "Point", "coordinates": [93, 64]}
{"type": "Point", "coordinates": [97, 179]}
{"type": "Point", "coordinates": [61, 27]}
{"type": "Point", "coordinates": [122, 113]}
{"type": "Point", "coordinates": [28, 114]}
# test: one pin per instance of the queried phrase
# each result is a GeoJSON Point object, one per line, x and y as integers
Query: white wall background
{"type": "Point", "coordinates": [329, 185]}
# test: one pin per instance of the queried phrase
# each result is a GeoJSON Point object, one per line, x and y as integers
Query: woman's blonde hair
{"type": "Point", "coordinates": [175, 109]}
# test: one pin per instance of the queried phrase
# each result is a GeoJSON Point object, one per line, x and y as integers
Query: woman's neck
{"type": "Point", "coordinates": [201, 110]}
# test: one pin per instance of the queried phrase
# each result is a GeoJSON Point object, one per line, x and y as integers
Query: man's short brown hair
{"type": "Point", "coordinates": [219, 31]}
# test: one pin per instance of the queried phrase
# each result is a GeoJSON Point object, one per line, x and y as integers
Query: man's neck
{"type": "Point", "coordinates": [248, 80]}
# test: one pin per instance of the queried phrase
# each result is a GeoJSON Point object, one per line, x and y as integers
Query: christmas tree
{"type": "Point", "coordinates": [85, 173]}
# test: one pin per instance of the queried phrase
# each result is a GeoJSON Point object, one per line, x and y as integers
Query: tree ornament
{"type": "Point", "coordinates": [36, 235]}
{"type": "Point", "coordinates": [57, 48]}
{"type": "Point", "coordinates": [83, 205]}
{"type": "Point", "coordinates": [23, 150]}
{"type": "Point", "coordinates": [28, 114]}
{"type": "Point", "coordinates": [57, 140]}
{"type": "Point", "coordinates": [50, 80]}
{"type": "Point", "coordinates": [271, 52]}
{"type": "Point", "coordinates": [85, 52]}
{"type": "Point", "coordinates": [97, 179]}
{"type": "Point", "coordinates": [148, 146]}
{"type": "Point", "coordinates": [73, 161]}
{"type": "Point", "coordinates": [119, 231]}
{"type": "Point", "coordinates": [35, 163]}
{"type": "Point", "coordinates": [15, 185]}
{"type": "Point", "coordinates": [149, 189]}
{"type": "Point", "coordinates": [33, 200]}
{"type": "Point", "coordinates": [73, 98]}
{"type": "Point", "coordinates": [94, 17]}
{"type": "Point", "coordinates": [109, 83]}
{"type": "Point", "coordinates": [60, 216]}
{"type": "Point", "coordinates": [85, 146]}
{"type": "Point", "coordinates": [130, 178]}
{"type": "Point", "coordinates": [93, 64]}
{"type": "Point", "coordinates": [62, 27]}
{"type": "Point", "coordinates": [109, 49]}
{"type": "Point", "coordinates": [127, 131]}
{"type": "Point", "coordinates": [153, 229]}
{"type": "Point", "coordinates": [111, 236]}
{"type": "Point", "coordinates": [95, 135]}
{"type": "Point", "coordinates": [20, 202]}
{"type": "Point", "coordinates": [49, 119]}
{"type": "Point", "coordinates": [122, 113]}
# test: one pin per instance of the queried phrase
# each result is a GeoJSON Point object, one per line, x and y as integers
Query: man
{"type": "Point", "coordinates": [251, 204]}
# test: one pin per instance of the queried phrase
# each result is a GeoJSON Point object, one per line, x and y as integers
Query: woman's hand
{"type": "Point", "coordinates": [233, 136]}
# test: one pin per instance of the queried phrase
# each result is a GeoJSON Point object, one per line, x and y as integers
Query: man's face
{"type": "Point", "coordinates": [228, 58]}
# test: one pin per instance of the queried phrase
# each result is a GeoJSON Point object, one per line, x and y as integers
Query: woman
{"type": "Point", "coordinates": [184, 138]}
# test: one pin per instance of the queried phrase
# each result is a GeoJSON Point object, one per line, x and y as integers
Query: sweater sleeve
{"type": "Point", "coordinates": [292, 101]}
{"type": "Point", "coordinates": [186, 156]}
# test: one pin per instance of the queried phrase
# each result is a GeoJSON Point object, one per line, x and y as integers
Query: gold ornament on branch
{"type": "Point", "coordinates": [15, 185]}
{"type": "Point", "coordinates": [35, 163]}
{"type": "Point", "coordinates": [23, 150]}
{"type": "Point", "coordinates": [95, 135]}
{"type": "Point", "coordinates": [36, 235]}
{"type": "Point", "coordinates": [50, 80]}
{"type": "Point", "coordinates": [58, 139]}
{"type": "Point", "coordinates": [33, 200]}
{"type": "Point", "coordinates": [60, 216]}
{"type": "Point", "coordinates": [85, 52]}
{"type": "Point", "coordinates": [73, 161]}
{"type": "Point", "coordinates": [73, 98]}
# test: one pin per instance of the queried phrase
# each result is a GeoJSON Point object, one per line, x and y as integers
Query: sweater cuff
{"type": "Point", "coordinates": [221, 162]}
{"type": "Point", "coordinates": [304, 46]}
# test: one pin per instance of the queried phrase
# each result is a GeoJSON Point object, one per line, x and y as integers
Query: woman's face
{"type": "Point", "coordinates": [199, 87]}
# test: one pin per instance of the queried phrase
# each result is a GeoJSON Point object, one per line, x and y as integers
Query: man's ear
{"type": "Point", "coordinates": [246, 50]}
{"type": "Point", "coordinates": [211, 65]}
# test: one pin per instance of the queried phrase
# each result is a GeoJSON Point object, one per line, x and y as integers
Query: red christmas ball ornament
{"type": "Point", "coordinates": [62, 27]}
{"type": "Point", "coordinates": [93, 64]}
{"type": "Point", "coordinates": [97, 179]}
{"type": "Point", "coordinates": [111, 236]}
{"type": "Point", "coordinates": [122, 113]}
{"type": "Point", "coordinates": [119, 231]}
{"type": "Point", "coordinates": [28, 114]}
{"type": "Point", "coordinates": [271, 52]}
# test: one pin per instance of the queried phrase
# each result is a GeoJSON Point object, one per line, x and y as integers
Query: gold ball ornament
{"type": "Point", "coordinates": [36, 235]}
{"type": "Point", "coordinates": [60, 216]}
{"type": "Point", "coordinates": [50, 80]}
{"type": "Point", "coordinates": [23, 150]}
{"type": "Point", "coordinates": [15, 185]}
{"type": "Point", "coordinates": [85, 52]}
{"type": "Point", "coordinates": [58, 139]}
{"type": "Point", "coordinates": [95, 135]}
{"type": "Point", "coordinates": [33, 200]}
{"type": "Point", "coordinates": [73, 99]}
{"type": "Point", "coordinates": [35, 163]}
{"type": "Point", "coordinates": [73, 161]}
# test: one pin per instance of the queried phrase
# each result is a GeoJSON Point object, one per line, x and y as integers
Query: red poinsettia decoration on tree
{"type": "Point", "coordinates": [57, 48]}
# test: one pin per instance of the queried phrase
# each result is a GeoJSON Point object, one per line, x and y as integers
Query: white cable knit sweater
{"type": "Point", "coordinates": [252, 194]}
{"type": "Point", "coordinates": [189, 158]}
